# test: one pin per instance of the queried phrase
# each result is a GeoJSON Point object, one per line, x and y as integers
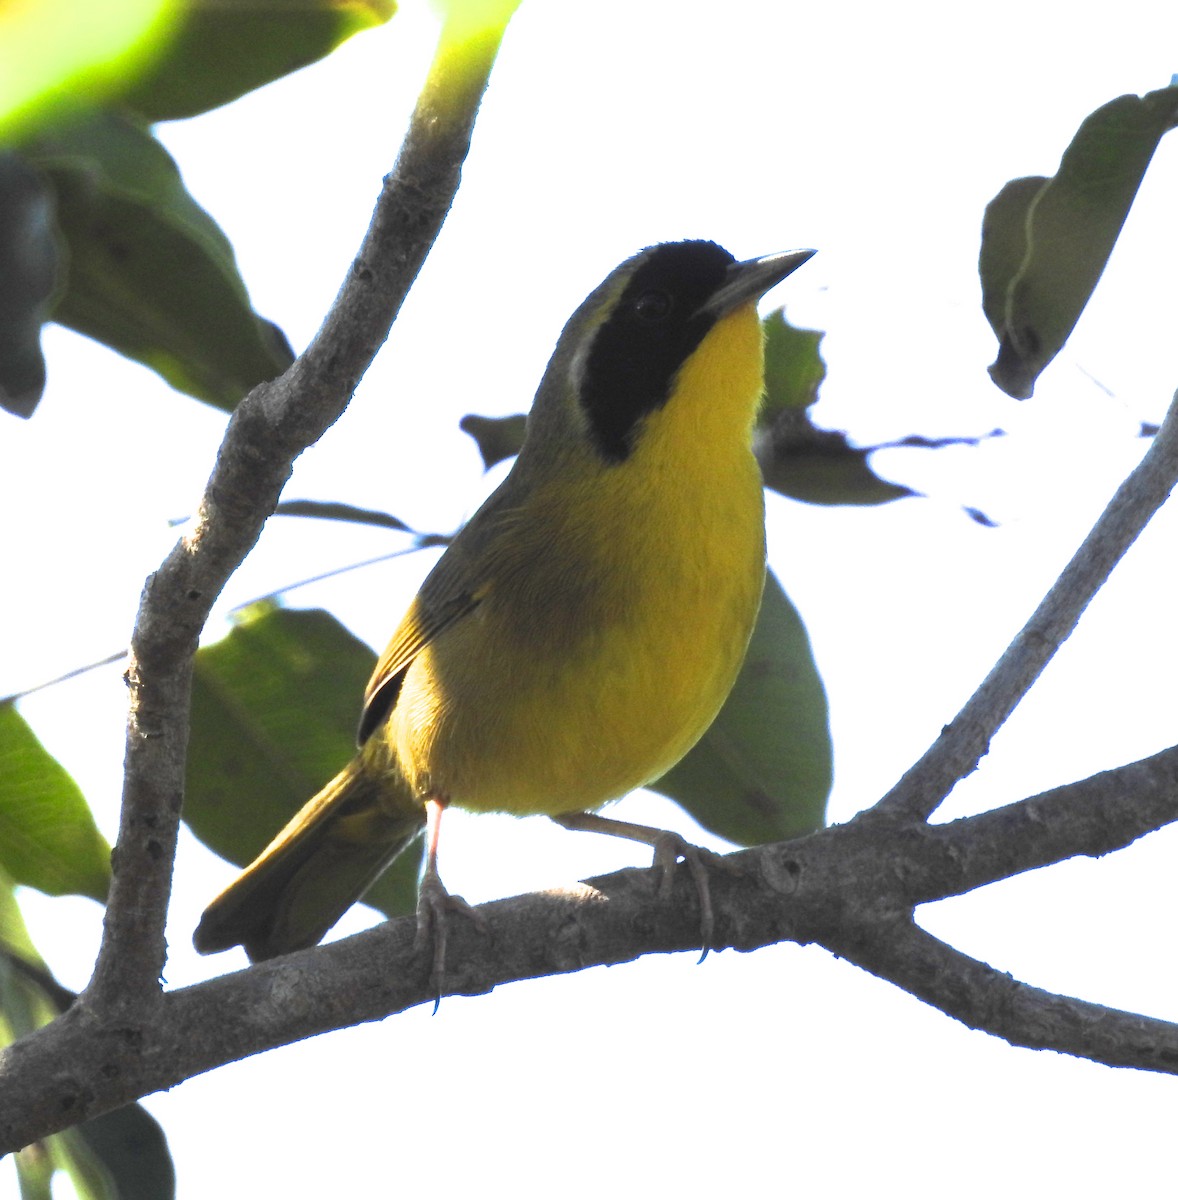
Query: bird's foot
{"type": "Point", "coordinates": [668, 849]}
{"type": "Point", "coordinates": [434, 906]}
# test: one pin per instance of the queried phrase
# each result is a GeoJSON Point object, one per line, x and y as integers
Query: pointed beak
{"type": "Point", "coordinates": [750, 280]}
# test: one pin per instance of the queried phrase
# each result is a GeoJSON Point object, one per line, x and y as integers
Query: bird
{"type": "Point", "coordinates": [581, 631]}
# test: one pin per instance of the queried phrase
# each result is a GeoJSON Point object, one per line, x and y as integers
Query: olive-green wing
{"type": "Point", "coordinates": [446, 596]}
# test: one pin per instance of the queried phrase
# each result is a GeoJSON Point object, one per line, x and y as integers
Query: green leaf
{"type": "Point", "coordinates": [794, 369]}
{"type": "Point", "coordinates": [55, 54]}
{"type": "Point", "coordinates": [218, 52]}
{"type": "Point", "coordinates": [762, 772]}
{"type": "Point", "coordinates": [150, 273]}
{"type": "Point", "coordinates": [34, 1170]}
{"type": "Point", "coordinates": [1045, 243]}
{"type": "Point", "coordinates": [1004, 244]}
{"type": "Point", "coordinates": [820, 466]}
{"type": "Point", "coordinates": [48, 839]}
{"type": "Point", "coordinates": [29, 264]}
{"type": "Point", "coordinates": [274, 712]}
{"type": "Point", "coordinates": [14, 934]}
{"type": "Point", "coordinates": [330, 510]}
{"type": "Point", "coordinates": [24, 1004]}
{"type": "Point", "coordinates": [122, 1155]}
{"type": "Point", "coordinates": [497, 438]}
{"type": "Point", "coordinates": [797, 458]}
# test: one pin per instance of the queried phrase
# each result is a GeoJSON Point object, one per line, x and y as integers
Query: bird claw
{"type": "Point", "coordinates": [668, 849]}
{"type": "Point", "coordinates": [434, 904]}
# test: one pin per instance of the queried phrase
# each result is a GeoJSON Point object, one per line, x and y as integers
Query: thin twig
{"type": "Point", "coordinates": [269, 429]}
{"type": "Point", "coordinates": [963, 742]}
{"type": "Point", "coordinates": [984, 998]}
{"type": "Point", "coordinates": [421, 541]}
{"type": "Point", "coordinates": [72, 673]}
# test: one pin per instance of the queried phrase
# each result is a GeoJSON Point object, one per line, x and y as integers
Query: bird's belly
{"type": "Point", "coordinates": [492, 719]}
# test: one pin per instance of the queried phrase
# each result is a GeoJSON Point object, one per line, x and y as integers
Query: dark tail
{"type": "Point", "coordinates": [318, 866]}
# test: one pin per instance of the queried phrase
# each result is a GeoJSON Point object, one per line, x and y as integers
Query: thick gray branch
{"type": "Point", "coordinates": [851, 888]}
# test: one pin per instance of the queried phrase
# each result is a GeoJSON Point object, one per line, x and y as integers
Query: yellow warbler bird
{"type": "Point", "coordinates": [582, 630]}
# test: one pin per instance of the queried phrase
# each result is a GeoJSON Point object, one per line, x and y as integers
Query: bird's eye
{"type": "Point", "coordinates": [652, 306]}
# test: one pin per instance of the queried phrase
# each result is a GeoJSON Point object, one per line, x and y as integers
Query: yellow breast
{"type": "Point", "coordinates": [620, 604]}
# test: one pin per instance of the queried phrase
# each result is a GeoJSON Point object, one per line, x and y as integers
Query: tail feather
{"type": "Point", "coordinates": [327, 856]}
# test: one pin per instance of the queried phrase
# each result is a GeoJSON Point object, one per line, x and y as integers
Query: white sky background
{"type": "Point", "coordinates": [877, 135]}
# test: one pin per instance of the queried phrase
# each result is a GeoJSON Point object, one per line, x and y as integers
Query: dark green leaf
{"type": "Point", "coordinates": [762, 772]}
{"type": "Point", "coordinates": [130, 1151]}
{"type": "Point", "coordinates": [797, 458]}
{"type": "Point", "coordinates": [327, 510]}
{"type": "Point", "coordinates": [794, 369]}
{"type": "Point", "coordinates": [819, 466]}
{"type": "Point", "coordinates": [48, 839]}
{"type": "Point", "coordinates": [122, 1155]}
{"type": "Point", "coordinates": [1066, 228]}
{"type": "Point", "coordinates": [274, 712]}
{"type": "Point", "coordinates": [29, 270]}
{"type": "Point", "coordinates": [496, 437]}
{"type": "Point", "coordinates": [1004, 244]}
{"type": "Point", "coordinates": [150, 274]}
{"type": "Point", "coordinates": [71, 1155]}
{"type": "Point", "coordinates": [221, 51]}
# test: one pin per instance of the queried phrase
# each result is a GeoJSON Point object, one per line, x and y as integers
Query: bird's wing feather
{"type": "Point", "coordinates": [449, 594]}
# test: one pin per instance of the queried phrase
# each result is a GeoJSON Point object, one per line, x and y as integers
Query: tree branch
{"type": "Point", "coordinates": [851, 888]}
{"type": "Point", "coordinates": [983, 998]}
{"type": "Point", "coordinates": [269, 429]}
{"type": "Point", "coordinates": [1092, 817]}
{"type": "Point", "coordinates": [963, 742]}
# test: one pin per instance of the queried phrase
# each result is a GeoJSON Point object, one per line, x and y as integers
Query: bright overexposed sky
{"type": "Point", "coordinates": [875, 134]}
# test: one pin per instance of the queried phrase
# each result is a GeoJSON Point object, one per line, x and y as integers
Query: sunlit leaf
{"type": "Point", "coordinates": [471, 33]}
{"type": "Point", "coordinates": [794, 369]}
{"type": "Point", "coordinates": [34, 1170]}
{"type": "Point", "coordinates": [149, 272]}
{"type": "Point", "coordinates": [55, 54]}
{"type": "Point", "coordinates": [762, 772]}
{"type": "Point", "coordinates": [274, 712]}
{"type": "Point", "coordinates": [24, 1006]}
{"type": "Point", "coordinates": [1046, 243]}
{"type": "Point", "coordinates": [48, 839]}
{"type": "Point", "coordinates": [14, 934]}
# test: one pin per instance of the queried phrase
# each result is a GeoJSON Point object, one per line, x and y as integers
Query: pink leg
{"type": "Point", "coordinates": [434, 903]}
